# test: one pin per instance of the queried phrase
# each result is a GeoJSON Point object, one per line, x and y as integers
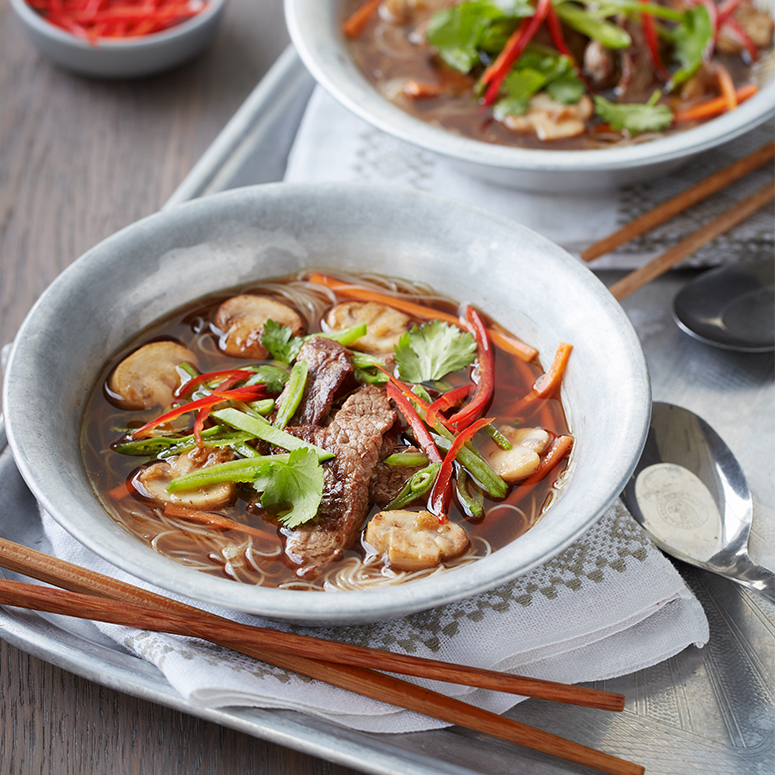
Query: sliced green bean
{"type": "Point", "coordinates": [241, 470]}
{"type": "Point", "coordinates": [263, 430]}
{"type": "Point", "coordinates": [409, 459]}
{"type": "Point", "coordinates": [294, 391]}
{"type": "Point", "coordinates": [419, 483]}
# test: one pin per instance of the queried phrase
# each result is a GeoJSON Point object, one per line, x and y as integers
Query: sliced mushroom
{"type": "Point", "coordinates": [414, 540]}
{"type": "Point", "coordinates": [550, 120]}
{"type": "Point", "coordinates": [384, 325]}
{"type": "Point", "coordinates": [152, 482]}
{"type": "Point", "coordinates": [148, 377]}
{"type": "Point", "coordinates": [524, 457]}
{"type": "Point", "coordinates": [242, 319]}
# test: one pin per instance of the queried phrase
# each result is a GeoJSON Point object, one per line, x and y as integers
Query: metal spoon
{"type": "Point", "coordinates": [732, 307]}
{"type": "Point", "coordinates": [690, 495]}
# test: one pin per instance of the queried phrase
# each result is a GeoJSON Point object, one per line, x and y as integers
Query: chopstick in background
{"type": "Point", "coordinates": [94, 596]}
{"type": "Point", "coordinates": [677, 204]}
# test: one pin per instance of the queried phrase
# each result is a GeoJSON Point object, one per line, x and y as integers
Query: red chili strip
{"type": "Point", "coordinates": [496, 73]}
{"type": "Point", "coordinates": [446, 401]}
{"type": "Point", "coordinates": [486, 384]}
{"type": "Point", "coordinates": [725, 10]}
{"type": "Point", "coordinates": [442, 488]}
{"type": "Point", "coordinates": [554, 26]}
{"type": "Point", "coordinates": [737, 30]}
{"type": "Point", "coordinates": [421, 433]}
{"type": "Point", "coordinates": [187, 387]}
{"type": "Point", "coordinates": [652, 42]}
{"type": "Point", "coordinates": [237, 394]}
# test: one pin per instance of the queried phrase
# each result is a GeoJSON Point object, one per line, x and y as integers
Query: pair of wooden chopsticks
{"type": "Point", "coordinates": [677, 204]}
{"type": "Point", "coordinates": [89, 595]}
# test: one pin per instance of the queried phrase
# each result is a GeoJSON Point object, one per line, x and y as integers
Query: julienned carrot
{"type": "Point", "coordinates": [714, 107]}
{"type": "Point", "coordinates": [550, 380]}
{"type": "Point", "coordinates": [211, 518]}
{"type": "Point", "coordinates": [420, 90]}
{"type": "Point", "coordinates": [560, 448]}
{"type": "Point", "coordinates": [355, 23]}
{"type": "Point", "coordinates": [506, 342]}
{"type": "Point", "coordinates": [726, 86]}
{"type": "Point", "coordinates": [548, 383]}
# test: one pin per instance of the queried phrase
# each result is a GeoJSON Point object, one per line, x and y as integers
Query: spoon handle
{"type": "Point", "coordinates": [758, 579]}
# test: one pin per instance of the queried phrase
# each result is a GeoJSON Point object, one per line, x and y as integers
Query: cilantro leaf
{"type": "Point", "coordinates": [635, 118]}
{"type": "Point", "coordinates": [272, 376]}
{"type": "Point", "coordinates": [457, 32]}
{"type": "Point", "coordinates": [539, 68]}
{"type": "Point", "coordinates": [279, 340]}
{"type": "Point", "coordinates": [428, 353]}
{"type": "Point", "coordinates": [567, 89]}
{"type": "Point", "coordinates": [691, 39]}
{"type": "Point", "coordinates": [292, 489]}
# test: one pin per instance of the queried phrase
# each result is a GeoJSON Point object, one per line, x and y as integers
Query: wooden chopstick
{"type": "Point", "coordinates": [681, 201]}
{"type": "Point", "coordinates": [686, 247]}
{"type": "Point", "coordinates": [51, 570]}
{"type": "Point", "coordinates": [91, 586]}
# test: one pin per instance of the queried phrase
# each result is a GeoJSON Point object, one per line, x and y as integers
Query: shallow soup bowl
{"type": "Point", "coordinates": [170, 259]}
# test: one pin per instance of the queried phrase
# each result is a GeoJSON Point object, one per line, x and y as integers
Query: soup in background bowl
{"type": "Point", "coordinates": [476, 144]}
{"type": "Point", "coordinates": [159, 267]}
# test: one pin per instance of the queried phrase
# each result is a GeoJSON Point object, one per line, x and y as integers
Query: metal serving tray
{"type": "Point", "coordinates": [709, 711]}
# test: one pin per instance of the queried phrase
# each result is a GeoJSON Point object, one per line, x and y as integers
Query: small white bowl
{"type": "Point", "coordinates": [122, 58]}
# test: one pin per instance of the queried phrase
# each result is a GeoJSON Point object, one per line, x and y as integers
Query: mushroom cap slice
{"type": "Point", "coordinates": [152, 482]}
{"type": "Point", "coordinates": [523, 459]}
{"type": "Point", "coordinates": [384, 325]}
{"type": "Point", "coordinates": [414, 540]}
{"type": "Point", "coordinates": [148, 377]}
{"type": "Point", "coordinates": [242, 319]}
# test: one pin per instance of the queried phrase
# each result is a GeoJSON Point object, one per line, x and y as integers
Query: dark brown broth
{"type": "Point", "coordinates": [462, 114]}
{"type": "Point", "coordinates": [109, 471]}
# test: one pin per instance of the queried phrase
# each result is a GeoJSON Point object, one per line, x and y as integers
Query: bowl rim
{"type": "Point", "coordinates": [39, 24]}
{"type": "Point", "coordinates": [327, 58]}
{"type": "Point", "coordinates": [313, 608]}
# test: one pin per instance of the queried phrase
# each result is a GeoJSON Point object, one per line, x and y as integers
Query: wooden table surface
{"type": "Point", "coordinates": [80, 159]}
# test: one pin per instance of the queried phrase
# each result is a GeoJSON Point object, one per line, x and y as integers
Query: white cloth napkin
{"type": "Point", "coordinates": [609, 605]}
{"type": "Point", "coordinates": [333, 144]}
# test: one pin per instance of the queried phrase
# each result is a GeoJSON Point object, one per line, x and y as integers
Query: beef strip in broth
{"type": "Point", "coordinates": [355, 436]}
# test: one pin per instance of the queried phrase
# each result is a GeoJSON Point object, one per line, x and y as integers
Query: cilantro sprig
{"type": "Point", "coordinates": [635, 118]}
{"type": "Point", "coordinates": [429, 352]}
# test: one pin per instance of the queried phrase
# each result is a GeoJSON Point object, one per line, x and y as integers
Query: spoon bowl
{"type": "Point", "coordinates": [690, 495]}
{"type": "Point", "coordinates": [732, 307]}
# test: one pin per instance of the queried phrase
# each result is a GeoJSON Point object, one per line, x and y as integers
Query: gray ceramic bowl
{"type": "Point", "coordinates": [527, 283]}
{"type": "Point", "coordinates": [128, 57]}
{"type": "Point", "coordinates": [315, 29]}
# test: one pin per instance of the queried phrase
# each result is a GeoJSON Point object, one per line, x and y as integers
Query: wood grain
{"type": "Point", "coordinates": [80, 159]}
